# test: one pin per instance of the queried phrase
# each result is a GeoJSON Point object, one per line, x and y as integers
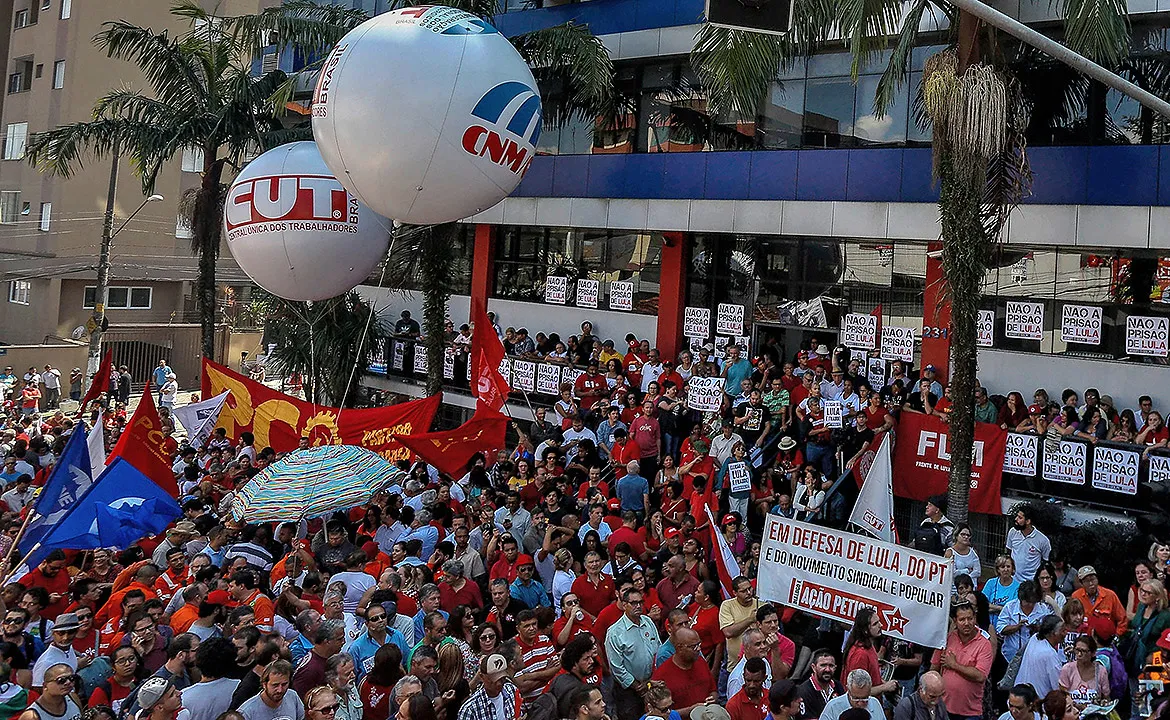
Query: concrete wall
{"type": "Point", "coordinates": [64, 357]}
{"type": "Point", "coordinates": [1002, 371]}
{"type": "Point", "coordinates": [536, 317]}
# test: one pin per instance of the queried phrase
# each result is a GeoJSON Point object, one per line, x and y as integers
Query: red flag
{"type": "Point", "coordinates": [487, 352]}
{"type": "Point", "coordinates": [725, 561]}
{"type": "Point", "coordinates": [449, 451]}
{"type": "Point", "coordinates": [144, 445]}
{"type": "Point", "coordinates": [100, 382]}
{"type": "Point", "coordinates": [877, 313]}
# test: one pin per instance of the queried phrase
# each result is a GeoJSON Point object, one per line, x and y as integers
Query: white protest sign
{"type": "Point", "coordinates": [570, 374]}
{"type": "Point", "coordinates": [1069, 464]}
{"type": "Point", "coordinates": [985, 328]}
{"type": "Point", "coordinates": [556, 289]}
{"type": "Point", "coordinates": [898, 343]}
{"type": "Point", "coordinates": [1147, 336]}
{"type": "Point", "coordinates": [696, 322]}
{"type": "Point", "coordinates": [420, 360]}
{"type": "Point", "coordinates": [696, 344]}
{"type": "Point", "coordinates": [834, 413]}
{"type": "Point", "coordinates": [1024, 320]}
{"type": "Point", "coordinates": [875, 373]}
{"type": "Point", "coordinates": [398, 359]}
{"type": "Point", "coordinates": [524, 375]}
{"type": "Point", "coordinates": [740, 476]}
{"type": "Point", "coordinates": [832, 574]}
{"type": "Point", "coordinates": [859, 331]}
{"type": "Point", "coordinates": [859, 356]}
{"type": "Point", "coordinates": [587, 291]}
{"type": "Point", "coordinates": [506, 370]}
{"type": "Point", "coordinates": [548, 378]}
{"type": "Point", "coordinates": [1080, 324]}
{"type": "Point", "coordinates": [1159, 468]}
{"type": "Point", "coordinates": [721, 343]}
{"type": "Point", "coordinates": [469, 368]}
{"type": "Point", "coordinates": [621, 295]}
{"type": "Point", "coordinates": [449, 363]}
{"type": "Point", "coordinates": [1020, 454]}
{"type": "Point", "coordinates": [704, 394]}
{"type": "Point", "coordinates": [1115, 469]}
{"type": "Point", "coordinates": [729, 319]}
{"type": "Point", "coordinates": [745, 345]}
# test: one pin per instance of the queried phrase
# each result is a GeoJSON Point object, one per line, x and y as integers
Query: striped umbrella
{"type": "Point", "coordinates": [314, 482]}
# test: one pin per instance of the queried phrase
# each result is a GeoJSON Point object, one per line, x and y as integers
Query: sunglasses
{"type": "Point", "coordinates": [328, 709]}
{"type": "Point", "coordinates": [65, 680]}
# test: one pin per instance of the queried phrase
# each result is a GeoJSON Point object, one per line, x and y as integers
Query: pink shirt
{"type": "Point", "coordinates": [965, 698]}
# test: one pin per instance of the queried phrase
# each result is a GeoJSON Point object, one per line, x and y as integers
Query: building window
{"type": "Point", "coordinates": [46, 4]}
{"type": "Point", "coordinates": [66, 9]}
{"type": "Point", "coordinates": [9, 206]}
{"type": "Point", "coordinates": [15, 140]}
{"type": "Point", "coordinates": [58, 74]}
{"type": "Point", "coordinates": [46, 214]}
{"type": "Point", "coordinates": [121, 297]}
{"type": "Point", "coordinates": [20, 79]}
{"type": "Point", "coordinates": [23, 19]}
{"type": "Point", "coordinates": [193, 159]}
{"type": "Point", "coordinates": [183, 228]}
{"type": "Point", "coordinates": [18, 291]}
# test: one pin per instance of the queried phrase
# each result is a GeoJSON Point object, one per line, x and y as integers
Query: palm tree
{"type": "Point", "coordinates": [203, 96]}
{"type": "Point", "coordinates": [979, 118]}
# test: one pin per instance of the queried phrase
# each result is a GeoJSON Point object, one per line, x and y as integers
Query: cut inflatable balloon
{"type": "Point", "coordinates": [427, 114]}
{"type": "Point", "coordinates": [296, 231]}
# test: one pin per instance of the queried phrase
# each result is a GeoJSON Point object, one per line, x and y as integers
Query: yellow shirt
{"type": "Point", "coordinates": [730, 613]}
{"type": "Point", "coordinates": [607, 355]}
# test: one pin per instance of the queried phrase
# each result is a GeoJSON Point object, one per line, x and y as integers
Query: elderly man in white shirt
{"type": "Point", "coordinates": [858, 684]}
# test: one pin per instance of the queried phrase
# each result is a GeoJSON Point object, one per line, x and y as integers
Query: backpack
{"type": "Point", "coordinates": [544, 707]}
{"type": "Point", "coordinates": [927, 538]}
{"type": "Point", "coordinates": [1118, 677]}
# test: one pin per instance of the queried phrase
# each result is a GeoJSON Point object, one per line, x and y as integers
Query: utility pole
{"type": "Point", "coordinates": [98, 319]}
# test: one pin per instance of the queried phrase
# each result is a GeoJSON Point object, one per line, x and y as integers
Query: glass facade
{"type": "Point", "coordinates": [405, 275]}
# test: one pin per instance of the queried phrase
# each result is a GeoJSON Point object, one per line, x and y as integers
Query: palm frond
{"type": "Point", "coordinates": [1097, 29]}
{"type": "Point", "coordinates": [736, 67]}
{"type": "Point", "coordinates": [63, 150]}
{"type": "Point", "coordinates": [867, 24]}
{"type": "Point", "coordinates": [898, 66]}
{"type": "Point", "coordinates": [577, 63]}
{"type": "Point", "coordinates": [310, 27]}
{"type": "Point", "coordinates": [170, 69]}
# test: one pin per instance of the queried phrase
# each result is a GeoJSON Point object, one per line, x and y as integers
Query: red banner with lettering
{"type": "Point", "coordinates": [280, 420]}
{"type": "Point", "coordinates": [922, 461]}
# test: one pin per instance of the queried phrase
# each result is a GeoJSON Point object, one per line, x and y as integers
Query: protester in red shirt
{"type": "Point", "coordinates": [705, 621]}
{"type": "Point", "coordinates": [591, 388]}
{"type": "Point", "coordinates": [455, 589]}
{"type": "Point", "coordinates": [506, 566]}
{"type": "Point", "coordinates": [629, 533]}
{"type": "Point", "coordinates": [686, 674]}
{"type": "Point", "coordinates": [51, 576]}
{"type": "Point", "coordinates": [594, 589]}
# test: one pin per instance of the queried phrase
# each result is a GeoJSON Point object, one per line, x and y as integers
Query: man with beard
{"type": "Point", "coordinates": [579, 667]}
{"type": "Point", "coordinates": [245, 641]}
{"type": "Point", "coordinates": [750, 703]}
{"type": "Point", "coordinates": [821, 686]}
{"type": "Point", "coordinates": [274, 700]}
{"type": "Point", "coordinates": [1028, 546]}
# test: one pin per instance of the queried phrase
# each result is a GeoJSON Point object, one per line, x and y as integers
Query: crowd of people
{"type": "Point", "coordinates": [570, 575]}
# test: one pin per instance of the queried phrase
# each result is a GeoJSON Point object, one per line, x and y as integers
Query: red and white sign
{"type": "Point", "coordinates": [1115, 469]}
{"type": "Point", "coordinates": [556, 289]}
{"type": "Point", "coordinates": [729, 319]}
{"type": "Point", "coordinates": [898, 343]}
{"type": "Point", "coordinates": [704, 394]}
{"type": "Point", "coordinates": [524, 375]}
{"type": "Point", "coordinates": [985, 328]}
{"type": "Point", "coordinates": [587, 291]}
{"type": "Point", "coordinates": [922, 461]}
{"type": "Point", "coordinates": [548, 378]}
{"type": "Point", "coordinates": [832, 574]}
{"type": "Point", "coordinates": [289, 198]}
{"type": "Point", "coordinates": [696, 322]}
{"type": "Point", "coordinates": [1147, 336]}
{"type": "Point", "coordinates": [1080, 324]}
{"type": "Point", "coordinates": [621, 295]}
{"type": "Point", "coordinates": [570, 374]}
{"type": "Point", "coordinates": [1024, 320]}
{"type": "Point", "coordinates": [1021, 454]}
{"type": "Point", "coordinates": [859, 331]}
{"type": "Point", "coordinates": [1069, 464]}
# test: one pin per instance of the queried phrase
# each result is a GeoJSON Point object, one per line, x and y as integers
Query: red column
{"type": "Point", "coordinates": [936, 316]}
{"type": "Point", "coordinates": [672, 293]}
{"type": "Point", "coordinates": [483, 263]}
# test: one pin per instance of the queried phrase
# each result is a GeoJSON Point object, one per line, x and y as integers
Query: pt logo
{"type": "Point", "coordinates": [512, 145]}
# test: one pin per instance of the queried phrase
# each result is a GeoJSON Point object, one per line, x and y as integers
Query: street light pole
{"type": "Point", "coordinates": [96, 323]}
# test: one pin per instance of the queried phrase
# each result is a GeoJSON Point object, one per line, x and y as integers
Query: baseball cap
{"type": "Point", "coordinates": [930, 368]}
{"type": "Point", "coordinates": [524, 560]}
{"type": "Point", "coordinates": [802, 354]}
{"type": "Point", "coordinates": [1086, 571]}
{"type": "Point", "coordinates": [1103, 627]}
{"type": "Point", "coordinates": [152, 690]}
{"type": "Point", "coordinates": [1035, 410]}
{"type": "Point", "coordinates": [672, 532]}
{"type": "Point", "coordinates": [615, 504]}
{"type": "Point", "coordinates": [494, 667]}
{"type": "Point", "coordinates": [729, 519]}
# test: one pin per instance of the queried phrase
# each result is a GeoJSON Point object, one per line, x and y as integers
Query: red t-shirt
{"type": "Point", "coordinates": [1157, 436]}
{"type": "Point", "coordinates": [740, 707]}
{"type": "Point", "coordinates": [644, 432]}
{"type": "Point", "coordinates": [58, 584]}
{"type": "Point", "coordinates": [594, 598]}
{"type": "Point", "coordinates": [469, 595]}
{"type": "Point", "coordinates": [687, 687]}
{"type": "Point", "coordinates": [583, 490]}
{"type": "Point", "coordinates": [534, 658]}
{"type": "Point", "coordinates": [797, 395]}
{"type": "Point", "coordinates": [375, 700]}
{"type": "Point", "coordinates": [635, 538]}
{"type": "Point", "coordinates": [590, 389]}
{"type": "Point", "coordinates": [863, 658]}
{"type": "Point", "coordinates": [605, 619]}
{"type": "Point", "coordinates": [581, 627]}
{"type": "Point", "coordinates": [789, 383]}
{"type": "Point", "coordinates": [113, 699]}
{"type": "Point", "coordinates": [503, 569]}
{"type": "Point", "coordinates": [706, 623]}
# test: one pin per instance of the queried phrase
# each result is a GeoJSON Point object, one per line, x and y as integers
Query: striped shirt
{"type": "Point", "coordinates": [535, 657]}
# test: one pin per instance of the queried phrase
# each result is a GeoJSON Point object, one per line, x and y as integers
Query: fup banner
{"type": "Point", "coordinates": [832, 574]}
{"type": "Point", "coordinates": [280, 421]}
{"type": "Point", "coordinates": [922, 461]}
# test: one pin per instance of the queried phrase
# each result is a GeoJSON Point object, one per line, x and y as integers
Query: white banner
{"type": "Point", "coordinates": [875, 373]}
{"type": "Point", "coordinates": [729, 319]}
{"type": "Point", "coordinates": [1080, 324]}
{"type": "Point", "coordinates": [449, 363]}
{"type": "Point", "coordinates": [524, 375]}
{"type": "Point", "coordinates": [1020, 454]}
{"type": "Point", "coordinates": [745, 345]}
{"type": "Point", "coordinates": [985, 328]}
{"type": "Point", "coordinates": [874, 509]}
{"type": "Point", "coordinates": [1069, 464]}
{"type": "Point", "coordinates": [721, 343]}
{"type": "Point", "coordinates": [898, 343]}
{"type": "Point", "coordinates": [696, 322]}
{"type": "Point", "coordinates": [1115, 469]}
{"type": "Point", "coordinates": [740, 477]}
{"type": "Point", "coordinates": [1146, 336]}
{"type": "Point", "coordinates": [621, 295]}
{"type": "Point", "coordinates": [859, 331]}
{"type": "Point", "coordinates": [1024, 320]}
{"type": "Point", "coordinates": [198, 419]}
{"type": "Point", "coordinates": [696, 344]}
{"type": "Point", "coordinates": [398, 359]}
{"type": "Point", "coordinates": [834, 413]}
{"type": "Point", "coordinates": [556, 289]}
{"type": "Point", "coordinates": [420, 360]}
{"type": "Point", "coordinates": [570, 374]}
{"type": "Point", "coordinates": [704, 394]}
{"type": "Point", "coordinates": [548, 378]}
{"type": "Point", "coordinates": [587, 291]}
{"type": "Point", "coordinates": [1159, 468]}
{"type": "Point", "coordinates": [832, 574]}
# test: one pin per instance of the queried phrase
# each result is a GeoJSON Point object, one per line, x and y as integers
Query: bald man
{"type": "Point", "coordinates": [927, 703]}
{"type": "Point", "coordinates": [686, 674]}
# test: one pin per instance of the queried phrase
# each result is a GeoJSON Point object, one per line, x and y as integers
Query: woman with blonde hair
{"type": "Point", "coordinates": [450, 677]}
{"type": "Point", "coordinates": [1150, 620]}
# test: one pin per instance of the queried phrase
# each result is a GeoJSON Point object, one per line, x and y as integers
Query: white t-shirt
{"type": "Point", "coordinates": [1028, 551]}
{"type": "Point", "coordinates": [52, 655]}
{"type": "Point", "coordinates": [52, 379]}
{"type": "Point", "coordinates": [967, 564]}
{"type": "Point", "coordinates": [356, 584]}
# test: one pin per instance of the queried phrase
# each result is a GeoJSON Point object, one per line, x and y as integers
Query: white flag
{"type": "Point", "coordinates": [96, 444]}
{"type": "Point", "coordinates": [199, 418]}
{"type": "Point", "coordinates": [874, 511]}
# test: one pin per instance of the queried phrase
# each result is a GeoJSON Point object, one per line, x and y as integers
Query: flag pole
{"type": "Point", "coordinates": [9, 578]}
{"type": "Point", "coordinates": [19, 536]}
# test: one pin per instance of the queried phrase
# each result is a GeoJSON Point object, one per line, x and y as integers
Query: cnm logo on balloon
{"type": "Point", "coordinates": [514, 109]}
{"type": "Point", "coordinates": [311, 198]}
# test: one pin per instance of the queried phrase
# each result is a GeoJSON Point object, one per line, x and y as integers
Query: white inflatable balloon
{"type": "Point", "coordinates": [296, 231]}
{"type": "Point", "coordinates": [427, 114]}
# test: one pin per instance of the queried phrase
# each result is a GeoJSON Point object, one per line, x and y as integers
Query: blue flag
{"type": "Point", "coordinates": [120, 507]}
{"type": "Point", "coordinates": [71, 478]}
